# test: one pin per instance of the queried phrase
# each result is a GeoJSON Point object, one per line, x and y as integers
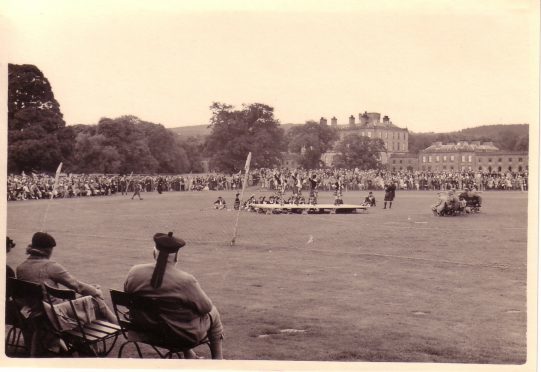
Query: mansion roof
{"type": "Point", "coordinates": [462, 146]}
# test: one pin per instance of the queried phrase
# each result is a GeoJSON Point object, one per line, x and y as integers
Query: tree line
{"type": "Point", "coordinates": [39, 139]}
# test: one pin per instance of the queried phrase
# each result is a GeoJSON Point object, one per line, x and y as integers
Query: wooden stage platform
{"type": "Point", "coordinates": [311, 208]}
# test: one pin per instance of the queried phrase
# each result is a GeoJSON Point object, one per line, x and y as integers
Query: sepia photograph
{"type": "Point", "coordinates": [270, 185]}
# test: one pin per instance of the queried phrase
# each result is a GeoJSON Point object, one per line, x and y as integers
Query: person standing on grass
{"type": "Point", "coordinates": [236, 204]}
{"type": "Point", "coordinates": [187, 311]}
{"type": "Point", "coordinates": [136, 190]}
{"type": "Point", "coordinates": [389, 195]}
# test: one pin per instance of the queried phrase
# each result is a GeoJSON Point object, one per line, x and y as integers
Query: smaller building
{"type": "Point", "coordinates": [470, 156]}
{"type": "Point", "coordinates": [403, 162]}
{"type": "Point", "coordinates": [501, 161]}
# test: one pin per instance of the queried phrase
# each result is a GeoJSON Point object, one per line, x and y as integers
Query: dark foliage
{"type": "Point", "coordinates": [128, 144]}
{"type": "Point", "coordinates": [356, 151]}
{"type": "Point", "coordinates": [311, 140]}
{"type": "Point", "coordinates": [235, 133]}
{"type": "Point", "coordinates": [36, 128]}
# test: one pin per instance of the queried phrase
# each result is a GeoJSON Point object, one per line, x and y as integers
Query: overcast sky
{"type": "Point", "coordinates": [429, 65]}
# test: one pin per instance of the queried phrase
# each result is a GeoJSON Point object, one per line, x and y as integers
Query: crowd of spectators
{"type": "Point", "coordinates": [40, 186]}
{"type": "Point", "coordinates": [354, 179]}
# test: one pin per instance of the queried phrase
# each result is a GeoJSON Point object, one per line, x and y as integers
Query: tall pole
{"type": "Point", "coordinates": [57, 175]}
{"type": "Point", "coordinates": [246, 170]}
{"type": "Point", "coordinates": [128, 183]}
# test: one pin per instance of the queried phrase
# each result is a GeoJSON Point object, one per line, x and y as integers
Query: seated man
{"type": "Point", "coordinates": [370, 200]}
{"type": "Point", "coordinates": [197, 318]}
{"type": "Point", "coordinates": [220, 203]}
{"type": "Point", "coordinates": [472, 197]}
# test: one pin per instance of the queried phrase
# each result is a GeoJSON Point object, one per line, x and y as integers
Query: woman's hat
{"type": "Point", "coordinates": [43, 240]}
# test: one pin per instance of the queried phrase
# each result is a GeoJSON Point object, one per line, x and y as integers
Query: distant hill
{"type": "Point", "coordinates": [486, 131]}
{"type": "Point", "coordinates": [204, 130]}
{"type": "Point", "coordinates": [192, 130]}
{"type": "Point", "coordinates": [512, 137]}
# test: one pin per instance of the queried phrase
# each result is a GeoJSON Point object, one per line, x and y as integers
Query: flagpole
{"type": "Point", "coordinates": [55, 184]}
{"type": "Point", "coordinates": [128, 183]}
{"type": "Point", "coordinates": [246, 170]}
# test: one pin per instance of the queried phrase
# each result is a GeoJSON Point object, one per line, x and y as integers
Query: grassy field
{"type": "Point", "coordinates": [395, 285]}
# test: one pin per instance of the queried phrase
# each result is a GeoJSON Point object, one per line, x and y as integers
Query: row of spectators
{"type": "Point", "coordinates": [403, 180]}
{"type": "Point", "coordinates": [22, 187]}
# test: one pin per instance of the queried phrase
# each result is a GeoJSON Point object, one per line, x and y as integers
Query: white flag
{"type": "Point", "coordinates": [56, 179]}
{"type": "Point", "coordinates": [248, 160]}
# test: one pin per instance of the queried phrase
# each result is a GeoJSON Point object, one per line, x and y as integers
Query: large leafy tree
{"type": "Point", "coordinates": [311, 140]}
{"type": "Point", "coordinates": [355, 151]}
{"type": "Point", "coordinates": [235, 133]}
{"type": "Point", "coordinates": [37, 135]}
{"type": "Point", "coordinates": [128, 144]}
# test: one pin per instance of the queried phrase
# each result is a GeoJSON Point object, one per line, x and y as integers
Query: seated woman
{"type": "Point", "coordinates": [39, 268]}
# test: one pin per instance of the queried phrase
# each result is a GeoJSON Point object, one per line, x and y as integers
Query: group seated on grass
{"type": "Point", "coordinates": [40, 186]}
{"type": "Point", "coordinates": [50, 313]}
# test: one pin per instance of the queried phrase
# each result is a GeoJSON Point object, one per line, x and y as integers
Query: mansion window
{"type": "Point", "coordinates": [444, 158]}
{"type": "Point", "coordinates": [452, 158]}
{"type": "Point", "coordinates": [463, 159]}
{"type": "Point", "coordinates": [510, 160]}
{"type": "Point", "coordinates": [437, 158]}
{"type": "Point", "coordinates": [424, 159]}
{"type": "Point", "coordinates": [520, 160]}
{"type": "Point", "coordinates": [469, 158]}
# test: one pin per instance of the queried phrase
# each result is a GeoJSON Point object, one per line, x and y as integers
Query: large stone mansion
{"type": "Point", "coordinates": [371, 125]}
{"type": "Point", "coordinates": [451, 157]}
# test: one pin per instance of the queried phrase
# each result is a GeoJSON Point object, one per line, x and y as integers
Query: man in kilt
{"type": "Point", "coordinates": [389, 195]}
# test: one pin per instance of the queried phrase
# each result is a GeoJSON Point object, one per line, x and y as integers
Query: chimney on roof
{"type": "Point", "coordinates": [386, 120]}
{"type": "Point", "coordinates": [374, 118]}
{"type": "Point", "coordinates": [323, 121]}
{"type": "Point", "coordinates": [352, 121]}
{"type": "Point", "coordinates": [334, 121]}
{"type": "Point", "coordinates": [363, 118]}
{"type": "Point", "coordinates": [437, 144]}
